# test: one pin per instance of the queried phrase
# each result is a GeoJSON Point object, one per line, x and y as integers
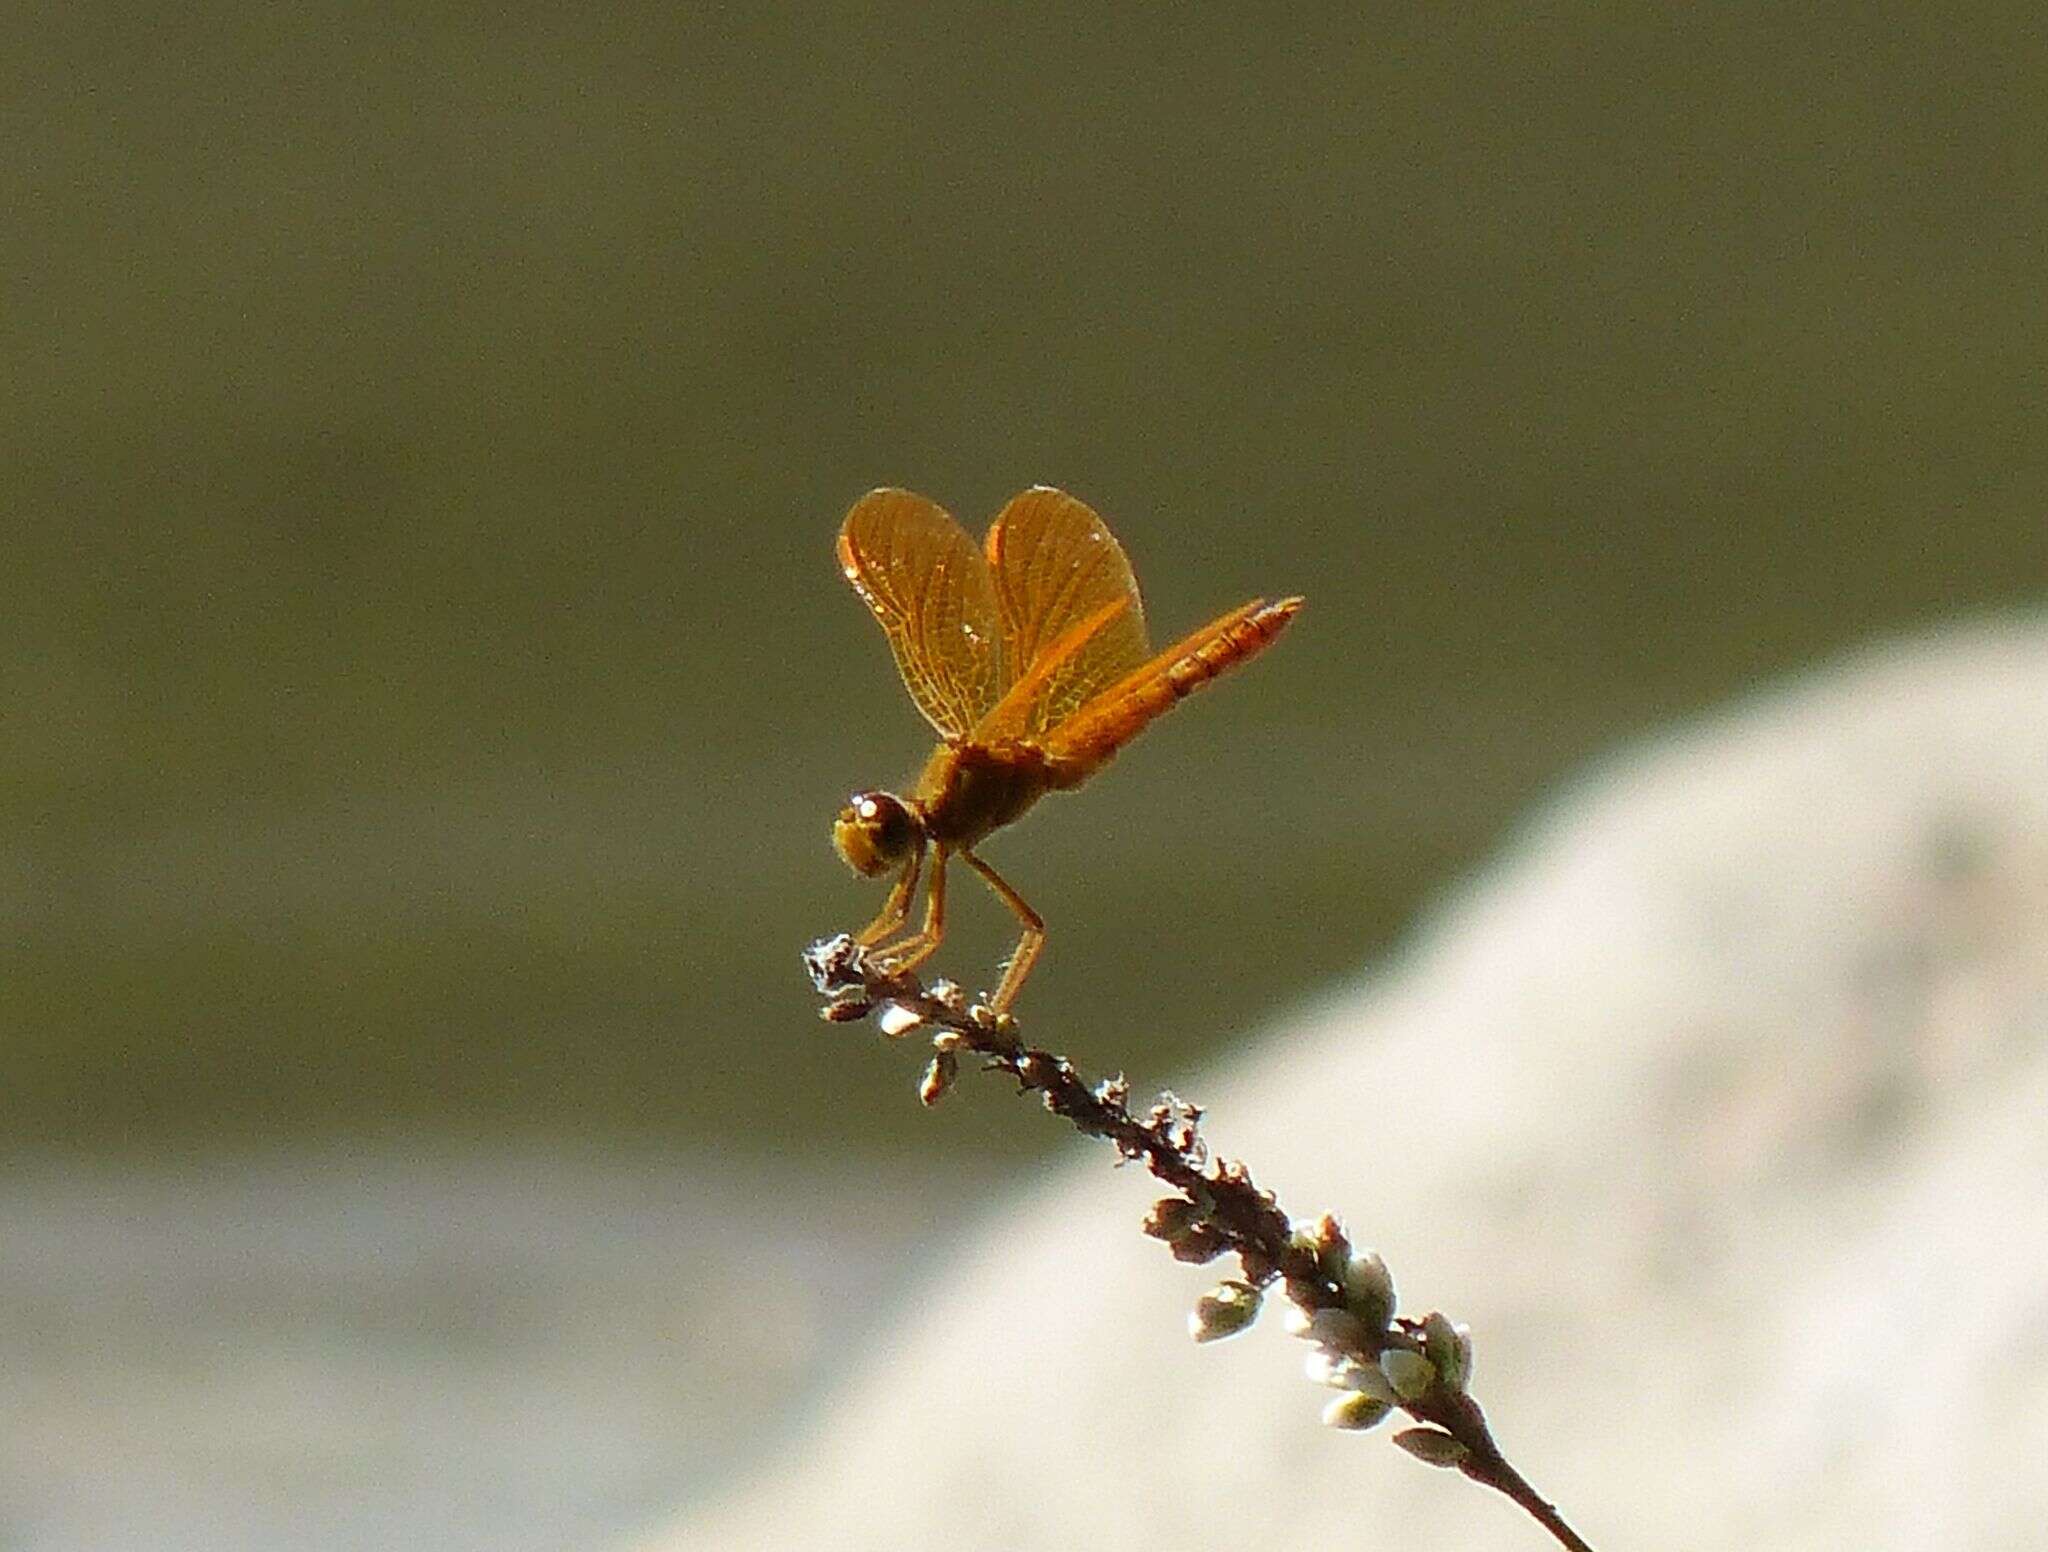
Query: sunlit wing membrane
{"type": "Point", "coordinates": [929, 586]}
{"type": "Point", "coordinates": [1023, 694]}
{"type": "Point", "coordinates": [1055, 565]}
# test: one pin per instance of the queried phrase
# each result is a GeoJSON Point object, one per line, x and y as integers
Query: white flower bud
{"type": "Point", "coordinates": [1341, 1371]}
{"type": "Point", "coordinates": [1333, 1328]}
{"type": "Point", "coordinates": [1324, 1367]}
{"type": "Point", "coordinates": [1449, 1347]}
{"type": "Point", "coordinates": [1369, 1290]}
{"type": "Point", "coordinates": [1338, 1329]}
{"type": "Point", "coordinates": [895, 1020]}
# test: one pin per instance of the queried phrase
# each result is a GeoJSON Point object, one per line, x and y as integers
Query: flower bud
{"type": "Point", "coordinates": [1324, 1367]}
{"type": "Point", "coordinates": [1431, 1445]}
{"type": "Point", "coordinates": [1224, 1310]}
{"type": "Point", "coordinates": [1171, 1217]}
{"type": "Point", "coordinates": [1355, 1410]}
{"type": "Point", "coordinates": [1341, 1371]}
{"type": "Point", "coordinates": [1369, 1290]}
{"type": "Point", "coordinates": [896, 1020]}
{"type": "Point", "coordinates": [1449, 1347]}
{"type": "Point", "coordinates": [938, 1077]}
{"type": "Point", "coordinates": [1335, 1329]}
{"type": "Point", "coordinates": [1410, 1374]}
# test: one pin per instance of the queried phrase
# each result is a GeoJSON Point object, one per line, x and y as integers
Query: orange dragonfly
{"type": "Point", "coordinates": [1028, 655]}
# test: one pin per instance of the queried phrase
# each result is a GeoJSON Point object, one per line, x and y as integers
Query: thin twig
{"type": "Point", "coordinates": [1343, 1300]}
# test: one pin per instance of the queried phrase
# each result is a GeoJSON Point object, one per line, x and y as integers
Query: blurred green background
{"type": "Point", "coordinates": [426, 679]}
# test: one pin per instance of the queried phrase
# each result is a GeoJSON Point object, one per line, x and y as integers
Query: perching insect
{"type": "Point", "coordinates": [1028, 654]}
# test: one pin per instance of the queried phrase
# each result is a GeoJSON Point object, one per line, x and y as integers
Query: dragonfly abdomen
{"type": "Point", "coordinates": [1238, 642]}
{"type": "Point", "coordinates": [1076, 749]}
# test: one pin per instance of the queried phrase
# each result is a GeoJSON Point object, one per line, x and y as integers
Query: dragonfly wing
{"type": "Point", "coordinates": [929, 586]}
{"type": "Point", "coordinates": [1058, 574]}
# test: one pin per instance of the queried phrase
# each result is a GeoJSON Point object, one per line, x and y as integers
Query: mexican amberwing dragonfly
{"type": "Point", "coordinates": [1028, 654]}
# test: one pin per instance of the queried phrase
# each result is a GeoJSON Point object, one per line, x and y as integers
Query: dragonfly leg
{"type": "Point", "coordinates": [896, 909]}
{"type": "Point", "coordinates": [907, 953]}
{"type": "Point", "coordinates": [1028, 946]}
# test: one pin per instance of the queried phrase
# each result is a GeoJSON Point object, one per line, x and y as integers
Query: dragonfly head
{"type": "Point", "coordinates": [876, 831]}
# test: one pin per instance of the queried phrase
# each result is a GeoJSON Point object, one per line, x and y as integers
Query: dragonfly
{"type": "Point", "coordinates": [1027, 654]}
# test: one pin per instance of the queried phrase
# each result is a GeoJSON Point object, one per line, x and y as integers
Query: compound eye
{"type": "Point", "coordinates": [875, 831]}
{"type": "Point", "coordinates": [888, 820]}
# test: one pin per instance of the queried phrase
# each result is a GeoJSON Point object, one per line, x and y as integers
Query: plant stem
{"type": "Point", "coordinates": [1227, 1213]}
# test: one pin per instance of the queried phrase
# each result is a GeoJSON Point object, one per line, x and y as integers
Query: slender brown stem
{"type": "Point", "coordinates": [1489, 1466]}
{"type": "Point", "coordinates": [1220, 1211]}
